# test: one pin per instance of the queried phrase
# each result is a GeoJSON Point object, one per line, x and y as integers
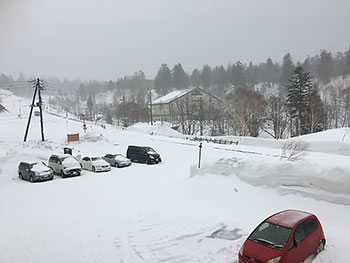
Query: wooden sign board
{"type": "Point", "coordinates": [73, 137]}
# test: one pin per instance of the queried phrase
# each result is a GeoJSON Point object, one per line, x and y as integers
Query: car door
{"type": "Point", "coordinates": [109, 159]}
{"type": "Point", "coordinates": [84, 162]}
{"type": "Point", "coordinates": [25, 171]}
{"type": "Point", "coordinates": [88, 163]}
{"type": "Point", "coordinates": [296, 250]}
{"type": "Point", "coordinates": [311, 240]}
{"type": "Point", "coordinates": [143, 155]}
{"type": "Point", "coordinates": [53, 163]}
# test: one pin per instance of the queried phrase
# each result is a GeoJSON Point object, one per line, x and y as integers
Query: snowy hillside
{"type": "Point", "coordinates": [170, 212]}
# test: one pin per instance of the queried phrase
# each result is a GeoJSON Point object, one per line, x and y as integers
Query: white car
{"type": "Point", "coordinates": [95, 164]}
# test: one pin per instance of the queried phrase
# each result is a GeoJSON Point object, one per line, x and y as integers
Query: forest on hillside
{"type": "Point", "coordinates": [257, 97]}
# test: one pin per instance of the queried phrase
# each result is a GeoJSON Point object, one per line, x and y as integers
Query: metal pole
{"type": "Point", "coordinates": [41, 111]}
{"type": "Point", "coordinates": [150, 103]}
{"type": "Point", "coordinates": [200, 155]}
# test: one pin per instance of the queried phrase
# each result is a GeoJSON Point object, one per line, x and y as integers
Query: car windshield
{"type": "Point", "coordinates": [95, 158]}
{"type": "Point", "coordinates": [149, 149]}
{"type": "Point", "coordinates": [69, 160]}
{"type": "Point", "coordinates": [38, 167]}
{"type": "Point", "coordinates": [271, 235]}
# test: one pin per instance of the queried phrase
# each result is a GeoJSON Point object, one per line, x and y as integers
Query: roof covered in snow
{"type": "Point", "coordinates": [172, 96]}
{"type": "Point", "coordinates": [177, 94]}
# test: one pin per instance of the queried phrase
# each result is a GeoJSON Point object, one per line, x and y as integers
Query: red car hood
{"type": "Point", "coordinates": [260, 252]}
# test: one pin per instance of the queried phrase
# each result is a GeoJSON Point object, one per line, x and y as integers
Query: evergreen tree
{"type": "Point", "coordinates": [195, 78]}
{"type": "Point", "coordinates": [238, 76]}
{"type": "Point", "coordinates": [287, 69]}
{"type": "Point", "coordinates": [219, 80]}
{"type": "Point", "coordinates": [206, 77]}
{"type": "Point", "coordinates": [251, 75]}
{"type": "Point", "coordinates": [298, 92]}
{"type": "Point", "coordinates": [270, 71]}
{"type": "Point", "coordinates": [179, 77]}
{"type": "Point", "coordinates": [162, 82]}
{"type": "Point", "coordinates": [347, 61]}
{"type": "Point", "coordinates": [324, 67]}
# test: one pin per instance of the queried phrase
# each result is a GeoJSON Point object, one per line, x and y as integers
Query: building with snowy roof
{"type": "Point", "coordinates": [179, 105]}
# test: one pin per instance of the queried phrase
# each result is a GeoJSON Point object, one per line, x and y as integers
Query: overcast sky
{"type": "Point", "coordinates": [107, 39]}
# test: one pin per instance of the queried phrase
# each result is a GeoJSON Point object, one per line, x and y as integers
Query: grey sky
{"type": "Point", "coordinates": [107, 39]}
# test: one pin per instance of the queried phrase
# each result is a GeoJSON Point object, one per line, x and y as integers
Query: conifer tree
{"type": "Point", "coordinates": [298, 91]}
{"type": "Point", "coordinates": [325, 66]}
{"type": "Point", "coordinates": [347, 61]}
{"type": "Point", "coordinates": [179, 77]}
{"type": "Point", "coordinates": [162, 82]}
{"type": "Point", "coordinates": [287, 69]}
{"type": "Point", "coordinates": [206, 77]}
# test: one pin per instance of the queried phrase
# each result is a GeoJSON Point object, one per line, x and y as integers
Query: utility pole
{"type": "Point", "coordinates": [150, 104]}
{"type": "Point", "coordinates": [38, 90]}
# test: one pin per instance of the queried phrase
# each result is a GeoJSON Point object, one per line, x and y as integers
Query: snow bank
{"type": "Point", "coordinates": [156, 129]}
{"type": "Point", "coordinates": [309, 179]}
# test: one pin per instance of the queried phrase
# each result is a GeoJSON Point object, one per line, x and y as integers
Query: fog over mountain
{"type": "Point", "coordinates": [90, 39]}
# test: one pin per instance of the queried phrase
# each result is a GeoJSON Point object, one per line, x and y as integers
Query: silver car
{"type": "Point", "coordinates": [117, 160]}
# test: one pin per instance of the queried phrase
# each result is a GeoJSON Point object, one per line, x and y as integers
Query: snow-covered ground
{"type": "Point", "coordinates": [170, 212]}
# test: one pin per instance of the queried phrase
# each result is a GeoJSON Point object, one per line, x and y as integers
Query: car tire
{"type": "Point", "coordinates": [320, 246]}
{"type": "Point", "coordinates": [116, 165]}
{"type": "Point", "coordinates": [31, 179]}
{"type": "Point", "coordinates": [94, 169]}
{"type": "Point", "coordinates": [20, 176]}
{"type": "Point", "coordinates": [62, 174]}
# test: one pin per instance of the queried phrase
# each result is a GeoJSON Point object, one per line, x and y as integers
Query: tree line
{"type": "Point", "coordinates": [282, 99]}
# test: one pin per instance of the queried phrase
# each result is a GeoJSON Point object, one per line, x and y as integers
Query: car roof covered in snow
{"type": "Point", "coordinates": [288, 218]}
{"type": "Point", "coordinates": [62, 155]}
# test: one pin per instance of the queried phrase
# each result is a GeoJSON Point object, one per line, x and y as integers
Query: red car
{"type": "Point", "coordinates": [288, 236]}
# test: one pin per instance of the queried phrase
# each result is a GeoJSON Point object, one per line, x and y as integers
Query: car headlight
{"type": "Point", "coordinates": [241, 250]}
{"type": "Point", "coordinates": [274, 260]}
{"type": "Point", "coordinates": [151, 156]}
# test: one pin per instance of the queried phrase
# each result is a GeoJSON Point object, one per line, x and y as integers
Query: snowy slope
{"type": "Point", "coordinates": [165, 212]}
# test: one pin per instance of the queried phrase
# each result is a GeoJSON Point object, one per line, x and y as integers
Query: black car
{"type": "Point", "coordinates": [143, 154]}
{"type": "Point", "coordinates": [34, 171]}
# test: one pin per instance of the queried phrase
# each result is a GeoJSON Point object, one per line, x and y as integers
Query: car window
{"type": "Point", "coordinates": [310, 226]}
{"type": "Point", "coordinates": [95, 158]}
{"type": "Point", "coordinates": [148, 149]}
{"type": "Point", "coordinates": [86, 159]}
{"type": "Point", "coordinates": [299, 233]}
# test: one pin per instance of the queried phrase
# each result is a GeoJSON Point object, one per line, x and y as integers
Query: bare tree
{"type": "Point", "coordinates": [247, 111]}
{"type": "Point", "coordinates": [294, 150]}
{"type": "Point", "coordinates": [277, 117]}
